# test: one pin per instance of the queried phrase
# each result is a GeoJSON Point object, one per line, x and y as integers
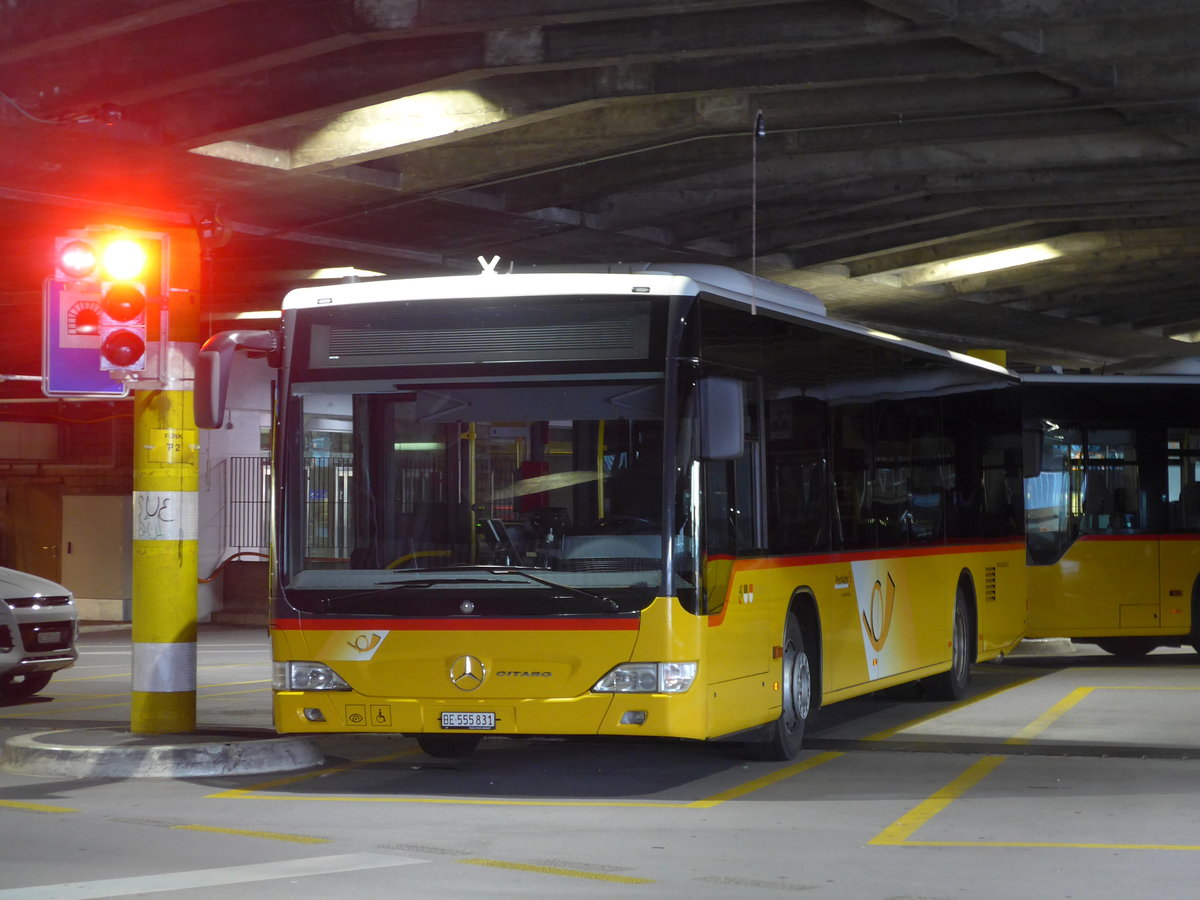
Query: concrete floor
{"type": "Point", "coordinates": [1065, 773]}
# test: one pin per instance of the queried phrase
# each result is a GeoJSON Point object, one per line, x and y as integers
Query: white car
{"type": "Point", "coordinates": [38, 628]}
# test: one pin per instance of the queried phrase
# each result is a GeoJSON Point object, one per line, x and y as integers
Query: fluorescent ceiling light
{"type": "Point", "coordinates": [260, 314]}
{"type": "Point", "coordinates": [343, 272]}
{"type": "Point", "coordinates": [963, 266]}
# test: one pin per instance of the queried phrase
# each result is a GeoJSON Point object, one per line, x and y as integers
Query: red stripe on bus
{"type": "Point", "coordinates": [754, 564]}
{"type": "Point", "coordinates": [820, 559]}
{"type": "Point", "coordinates": [456, 624]}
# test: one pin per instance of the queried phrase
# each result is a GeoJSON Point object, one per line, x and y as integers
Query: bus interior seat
{"type": "Point", "coordinates": [1097, 506]}
{"type": "Point", "coordinates": [1189, 504]}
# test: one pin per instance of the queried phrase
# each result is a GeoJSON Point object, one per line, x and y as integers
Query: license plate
{"type": "Point", "coordinates": [472, 721]}
{"type": "Point", "coordinates": [49, 637]}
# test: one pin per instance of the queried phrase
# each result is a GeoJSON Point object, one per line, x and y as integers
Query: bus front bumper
{"type": "Point", "coordinates": [632, 715]}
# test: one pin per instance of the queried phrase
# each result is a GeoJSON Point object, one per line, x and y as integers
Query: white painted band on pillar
{"type": "Point", "coordinates": [166, 515]}
{"type": "Point", "coordinates": [164, 668]}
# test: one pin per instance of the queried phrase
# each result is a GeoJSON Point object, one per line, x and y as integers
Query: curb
{"type": "Point", "coordinates": [107, 753]}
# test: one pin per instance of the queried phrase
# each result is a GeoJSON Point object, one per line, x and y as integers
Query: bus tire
{"type": "Point", "coordinates": [952, 685]}
{"type": "Point", "coordinates": [1127, 647]}
{"type": "Point", "coordinates": [448, 746]}
{"type": "Point", "coordinates": [781, 739]}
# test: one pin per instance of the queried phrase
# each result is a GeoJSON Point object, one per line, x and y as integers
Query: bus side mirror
{"type": "Point", "coordinates": [722, 412]}
{"type": "Point", "coordinates": [213, 363]}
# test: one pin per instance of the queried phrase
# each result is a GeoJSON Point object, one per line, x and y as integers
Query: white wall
{"type": "Point", "coordinates": [248, 411]}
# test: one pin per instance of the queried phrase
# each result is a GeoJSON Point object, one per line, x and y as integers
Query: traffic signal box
{"type": "Point", "coordinates": [119, 279]}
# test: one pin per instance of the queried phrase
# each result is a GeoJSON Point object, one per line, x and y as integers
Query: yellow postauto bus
{"type": "Point", "coordinates": [670, 502]}
{"type": "Point", "coordinates": [1112, 503]}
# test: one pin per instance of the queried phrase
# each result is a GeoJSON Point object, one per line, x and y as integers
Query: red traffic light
{"type": "Point", "coordinates": [123, 302]}
{"type": "Point", "coordinates": [123, 349]}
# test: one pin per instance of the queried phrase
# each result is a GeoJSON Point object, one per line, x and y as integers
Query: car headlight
{"type": "Point", "coordinates": [306, 676]}
{"type": "Point", "coordinates": [648, 678]}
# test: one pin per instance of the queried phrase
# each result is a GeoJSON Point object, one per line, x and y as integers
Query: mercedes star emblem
{"type": "Point", "coordinates": [467, 673]}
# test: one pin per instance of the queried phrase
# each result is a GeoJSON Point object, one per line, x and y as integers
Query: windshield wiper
{"type": "Point", "coordinates": [390, 587]}
{"type": "Point", "coordinates": [607, 603]}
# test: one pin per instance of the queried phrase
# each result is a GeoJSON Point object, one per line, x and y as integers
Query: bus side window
{"type": "Point", "coordinates": [1183, 478]}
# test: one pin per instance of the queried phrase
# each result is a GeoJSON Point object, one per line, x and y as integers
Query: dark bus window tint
{"type": "Point", "coordinates": [1183, 478]}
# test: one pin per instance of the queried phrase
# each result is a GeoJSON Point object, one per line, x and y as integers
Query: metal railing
{"type": "Point", "coordinates": [327, 508]}
{"type": "Point", "coordinates": [247, 502]}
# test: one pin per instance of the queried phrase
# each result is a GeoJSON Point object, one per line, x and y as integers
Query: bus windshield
{"type": "Point", "coordinates": [530, 499]}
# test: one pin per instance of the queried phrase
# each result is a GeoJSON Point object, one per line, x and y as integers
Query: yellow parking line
{"type": "Point", "coordinates": [268, 835]}
{"type": "Point", "coordinates": [35, 807]}
{"type": "Point", "coordinates": [764, 781]}
{"type": "Point", "coordinates": [898, 832]}
{"type": "Point", "coordinates": [251, 792]}
{"type": "Point", "coordinates": [1049, 717]}
{"type": "Point", "coordinates": [1051, 845]}
{"type": "Point", "coordinates": [555, 870]}
{"type": "Point", "coordinates": [255, 792]}
{"type": "Point", "coordinates": [64, 708]}
{"type": "Point", "coordinates": [962, 704]}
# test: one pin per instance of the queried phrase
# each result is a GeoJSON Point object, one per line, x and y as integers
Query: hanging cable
{"type": "Point", "coordinates": [760, 130]}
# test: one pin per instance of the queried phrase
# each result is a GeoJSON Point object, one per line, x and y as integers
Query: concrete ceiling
{"type": "Point", "coordinates": [899, 137]}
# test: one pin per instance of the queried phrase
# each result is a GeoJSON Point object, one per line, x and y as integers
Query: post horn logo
{"type": "Point", "coordinates": [364, 643]}
{"type": "Point", "coordinates": [467, 673]}
{"type": "Point", "coordinates": [879, 622]}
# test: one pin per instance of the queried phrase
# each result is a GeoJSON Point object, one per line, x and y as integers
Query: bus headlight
{"type": "Point", "coordinates": [648, 678]}
{"type": "Point", "coordinates": [306, 676]}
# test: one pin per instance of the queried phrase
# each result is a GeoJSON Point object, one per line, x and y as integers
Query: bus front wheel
{"type": "Point", "coordinates": [781, 739]}
{"type": "Point", "coordinates": [952, 685]}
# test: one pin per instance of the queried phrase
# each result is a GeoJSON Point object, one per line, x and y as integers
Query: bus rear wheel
{"type": "Point", "coordinates": [1129, 647]}
{"type": "Point", "coordinates": [781, 739]}
{"type": "Point", "coordinates": [448, 746]}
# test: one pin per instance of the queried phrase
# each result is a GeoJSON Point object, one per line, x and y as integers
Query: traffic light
{"type": "Point", "coordinates": [123, 263]}
{"type": "Point", "coordinates": [119, 275]}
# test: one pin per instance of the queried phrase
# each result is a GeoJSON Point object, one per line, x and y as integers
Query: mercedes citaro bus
{"type": "Point", "coordinates": [632, 500]}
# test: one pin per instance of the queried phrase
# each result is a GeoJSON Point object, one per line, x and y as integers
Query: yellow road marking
{"type": "Point", "coordinates": [267, 835]}
{"type": "Point", "coordinates": [255, 791]}
{"type": "Point", "coordinates": [899, 831]}
{"type": "Point", "coordinates": [63, 709]}
{"type": "Point", "coordinates": [762, 782]}
{"type": "Point", "coordinates": [962, 704]}
{"type": "Point", "coordinates": [554, 870]}
{"type": "Point", "coordinates": [1050, 716]}
{"type": "Point", "coordinates": [124, 673]}
{"type": "Point", "coordinates": [250, 792]}
{"type": "Point", "coordinates": [1050, 845]}
{"type": "Point", "coordinates": [35, 807]}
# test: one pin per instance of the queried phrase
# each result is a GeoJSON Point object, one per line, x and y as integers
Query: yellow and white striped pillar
{"type": "Point", "coordinates": [166, 477]}
{"type": "Point", "coordinates": [165, 563]}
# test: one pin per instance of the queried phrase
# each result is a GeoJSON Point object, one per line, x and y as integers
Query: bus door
{"type": "Point", "coordinates": [732, 530]}
{"type": "Point", "coordinates": [1179, 550]}
{"type": "Point", "coordinates": [1094, 557]}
